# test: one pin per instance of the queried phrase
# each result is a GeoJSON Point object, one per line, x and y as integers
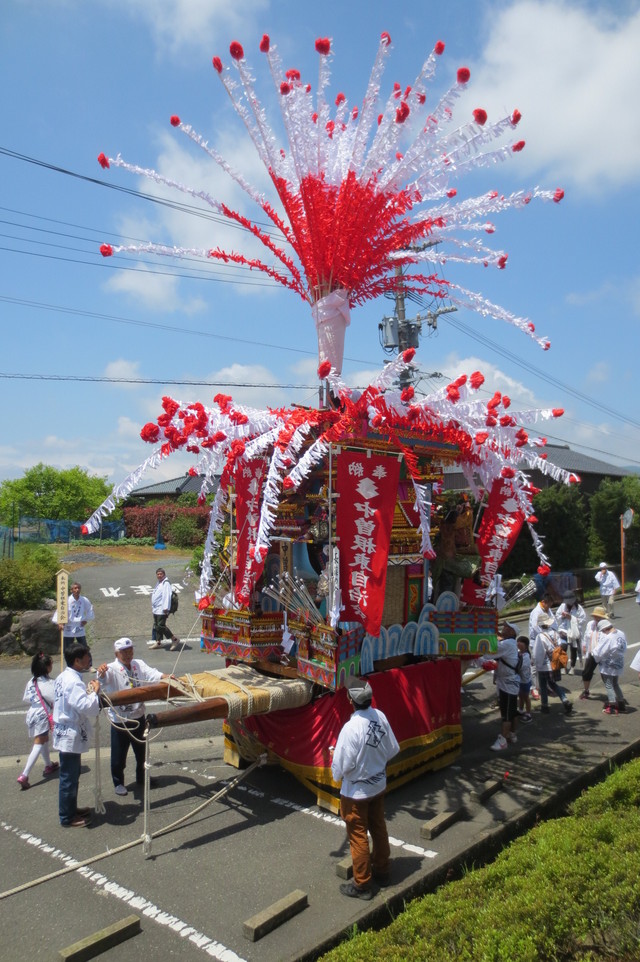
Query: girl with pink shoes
{"type": "Point", "coordinates": [39, 695]}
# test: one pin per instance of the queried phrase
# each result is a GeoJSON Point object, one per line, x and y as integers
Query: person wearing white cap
{"type": "Point", "coordinates": [608, 653]}
{"type": "Point", "coordinates": [589, 641]}
{"type": "Point", "coordinates": [543, 647]}
{"type": "Point", "coordinates": [365, 745]}
{"type": "Point", "coordinates": [508, 663]}
{"type": "Point", "coordinates": [127, 721]}
{"type": "Point", "coordinates": [609, 584]}
{"type": "Point", "coordinates": [571, 618]}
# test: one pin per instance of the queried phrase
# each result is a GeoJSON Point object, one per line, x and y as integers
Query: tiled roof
{"type": "Point", "coordinates": [185, 484]}
{"type": "Point", "coordinates": [563, 457]}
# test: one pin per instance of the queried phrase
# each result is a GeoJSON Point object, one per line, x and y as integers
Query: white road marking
{"type": "Point", "coordinates": [208, 945]}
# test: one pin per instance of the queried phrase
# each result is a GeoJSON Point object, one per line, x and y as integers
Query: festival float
{"type": "Point", "coordinates": [332, 519]}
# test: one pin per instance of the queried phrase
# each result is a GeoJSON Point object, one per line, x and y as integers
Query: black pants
{"type": "Point", "coordinates": [589, 668]}
{"type": "Point", "coordinates": [160, 629]}
{"type": "Point", "coordinates": [121, 738]}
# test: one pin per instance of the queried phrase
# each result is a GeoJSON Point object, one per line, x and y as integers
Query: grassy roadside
{"type": "Point", "coordinates": [568, 891]}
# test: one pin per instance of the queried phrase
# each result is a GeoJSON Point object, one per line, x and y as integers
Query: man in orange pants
{"type": "Point", "coordinates": [364, 746]}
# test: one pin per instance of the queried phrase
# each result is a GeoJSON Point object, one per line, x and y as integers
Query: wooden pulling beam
{"type": "Point", "coordinates": [201, 711]}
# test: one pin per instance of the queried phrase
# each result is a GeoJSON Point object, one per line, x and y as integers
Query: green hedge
{"type": "Point", "coordinates": [569, 890]}
{"type": "Point", "coordinates": [27, 579]}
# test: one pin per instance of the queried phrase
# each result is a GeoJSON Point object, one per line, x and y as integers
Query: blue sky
{"type": "Point", "coordinates": [81, 78]}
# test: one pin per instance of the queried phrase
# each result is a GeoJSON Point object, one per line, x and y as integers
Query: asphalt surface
{"type": "Point", "coordinates": [266, 837]}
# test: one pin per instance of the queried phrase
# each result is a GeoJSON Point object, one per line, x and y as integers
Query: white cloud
{"type": "Point", "coordinates": [191, 24]}
{"type": "Point", "coordinates": [573, 71]}
{"type": "Point", "coordinates": [599, 373]}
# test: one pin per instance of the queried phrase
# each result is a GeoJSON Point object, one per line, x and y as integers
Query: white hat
{"type": "Point", "coordinates": [122, 643]}
{"type": "Point", "coordinates": [604, 623]}
{"type": "Point", "coordinates": [603, 564]}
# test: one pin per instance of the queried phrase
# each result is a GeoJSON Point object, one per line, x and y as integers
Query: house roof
{"type": "Point", "coordinates": [563, 457]}
{"type": "Point", "coordinates": [185, 484]}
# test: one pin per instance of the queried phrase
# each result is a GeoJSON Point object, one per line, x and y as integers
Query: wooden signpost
{"type": "Point", "coordinates": [62, 607]}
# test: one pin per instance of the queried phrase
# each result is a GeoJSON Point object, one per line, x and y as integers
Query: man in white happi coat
{"type": "Point", "coordinates": [127, 721]}
{"type": "Point", "coordinates": [80, 611]}
{"type": "Point", "coordinates": [609, 584]}
{"type": "Point", "coordinates": [541, 611]}
{"type": "Point", "coordinates": [75, 707]}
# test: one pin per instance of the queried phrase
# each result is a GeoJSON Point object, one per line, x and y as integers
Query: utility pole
{"type": "Point", "coordinates": [399, 332]}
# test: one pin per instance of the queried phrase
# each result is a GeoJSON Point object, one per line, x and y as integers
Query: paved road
{"type": "Point", "coordinates": [265, 838]}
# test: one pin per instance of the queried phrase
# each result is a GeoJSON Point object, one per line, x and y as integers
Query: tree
{"type": "Point", "coordinates": [608, 504]}
{"type": "Point", "coordinates": [46, 492]}
{"type": "Point", "coordinates": [562, 525]}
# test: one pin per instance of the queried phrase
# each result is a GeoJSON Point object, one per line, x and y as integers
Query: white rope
{"type": "Point", "coordinates": [97, 788]}
{"type": "Point", "coordinates": [146, 837]}
{"type": "Point", "coordinates": [123, 848]}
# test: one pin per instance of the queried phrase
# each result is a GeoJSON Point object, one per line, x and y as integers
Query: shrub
{"type": "Point", "coordinates": [184, 532]}
{"type": "Point", "coordinates": [25, 581]}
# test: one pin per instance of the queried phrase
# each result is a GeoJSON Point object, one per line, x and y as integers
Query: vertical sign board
{"type": "Point", "coordinates": [62, 607]}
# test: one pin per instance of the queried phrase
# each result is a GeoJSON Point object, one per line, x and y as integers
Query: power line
{"type": "Point", "coordinates": [151, 380]}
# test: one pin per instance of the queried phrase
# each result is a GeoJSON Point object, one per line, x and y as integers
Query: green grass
{"type": "Point", "coordinates": [568, 891]}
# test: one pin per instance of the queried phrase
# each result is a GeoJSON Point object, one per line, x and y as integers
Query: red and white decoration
{"type": "Point", "coordinates": [368, 487]}
{"type": "Point", "coordinates": [358, 190]}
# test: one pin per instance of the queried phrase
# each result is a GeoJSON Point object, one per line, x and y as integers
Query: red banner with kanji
{"type": "Point", "coordinates": [499, 528]}
{"type": "Point", "coordinates": [249, 479]}
{"type": "Point", "coordinates": [368, 488]}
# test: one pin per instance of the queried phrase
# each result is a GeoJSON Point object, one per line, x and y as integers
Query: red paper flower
{"type": "Point", "coordinates": [506, 401]}
{"type": "Point", "coordinates": [324, 369]}
{"type": "Point", "coordinates": [408, 355]}
{"type": "Point", "coordinates": [557, 197]}
{"type": "Point", "coordinates": [402, 112]}
{"type": "Point", "coordinates": [84, 529]}
{"type": "Point", "coordinates": [507, 472]}
{"type": "Point", "coordinates": [174, 120]}
{"type": "Point", "coordinates": [531, 326]}
{"type": "Point", "coordinates": [558, 412]}
{"type": "Point", "coordinates": [481, 437]}
{"type": "Point", "coordinates": [452, 192]}
{"type": "Point", "coordinates": [518, 146]}
{"type": "Point", "coordinates": [265, 43]}
{"type": "Point", "coordinates": [292, 74]}
{"type": "Point", "coordinates": [532, 519]}
{"type": "Point", "coordinates": [323, 45]}
{"type": "Point", "coordinates": [106, 250]}
{"type": "Point", "coordinates": [476, 380]}
{"type": "Point", "coordinates": [453, 393]}
{"type": "Point", "coordinates": [285, 88]}
{"type": "Point", "coordinates": [204, 602]}
{"type": "Point", "coordinates": [103, 161]}
{"type": "Point", "coordinates": [236, 51]}
{"type": "Point", "coordinates": [150, 432]}
{"type": "Point", "coordinates": [217, 64]}
{"type": "Point", "coordinates": [287, 484]}
{"type": "Point", "coordinates": [192, 472]}
{"type": "Point", "coordinates": [480, 116]}
{"type": "Point", "coordinates": [574, 479]}
{"type": "Point", "coordinates": [546, 345]}
{"type": "Point", "coordinates": [407, 394]}
{"type": "Point", "coordinates": [491, 421]}
{"type": "Point", "coordinates": [463, 75]}
{"type": "Point", "coordinates": [385, 37]}
{"type": "Point", "coordinates": [502, 262]}
{"type": "Point", "coordinates": [516, 117]}
{"type": "Point", "coordinates": [340, 99]}
{"type": "Point", "coordinates": [439, 48]}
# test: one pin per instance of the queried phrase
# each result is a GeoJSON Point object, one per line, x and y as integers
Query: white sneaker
{"type": "Point", "coordinates": [513, 738]}
{"type": "Point", "coordinates": [499, 744]}
{"type": "Point", "coordinates": [121, 790]}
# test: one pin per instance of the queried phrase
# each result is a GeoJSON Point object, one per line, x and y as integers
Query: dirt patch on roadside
{"type": "Point", "coordinates": [126, 553]}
